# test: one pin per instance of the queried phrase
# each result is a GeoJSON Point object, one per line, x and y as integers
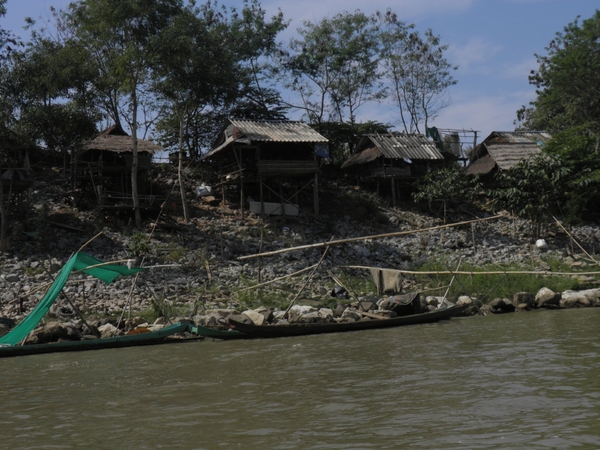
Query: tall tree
{"type": "Point", "coordinates": [567, 81]}
{"type": "Point", "coordinates": [417, 71]}
{"type": "Point", "coordinates": [123, 37]}
{"type": "Point", "coordinates": [185, 72]}
{"type": "Point", "coordinates": [227, 74]}
{"type": "Point", "coordinates": [333, 67]}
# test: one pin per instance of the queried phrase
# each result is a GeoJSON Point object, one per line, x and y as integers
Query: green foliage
{"type": "Point", "coordinates": [448, 184]}
{"type": "Point", "coordinates": [333, 66]}
{"type": "Point", "coordinates": [532, 188]}
{"type": "Point", "coordinates": [344, 136]}
{"type": "Point", "coordinates": [577, 148]}
{"type": "Point", "coordinates": [567, 82]}
{"type": "Point", "coordinates": [139, 244]}
{"type": "Point", "coordinates": [488, 287]}
{"type": "Point", "coordinates": [416, 70]}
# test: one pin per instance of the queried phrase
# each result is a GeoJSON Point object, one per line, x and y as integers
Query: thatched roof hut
{"type": "Point", "coordinates": [116, 140]}
{"type": "Point", "coordinates": [502, 150]}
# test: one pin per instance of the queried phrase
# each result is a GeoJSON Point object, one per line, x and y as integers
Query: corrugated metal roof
{"type": "Point", "coordinates": [509, 155]}
{"type": "Point", "coordinates": [507, 137]}
{"type": "Point", "coordinates": [247, 131]}
{"type": "Point", "coordinates": [277, 131]}
{"type": "Point", "coordinates": [399, 145]}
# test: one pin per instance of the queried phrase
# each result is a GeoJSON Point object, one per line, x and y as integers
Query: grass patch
{"type": "Point", "coordinates": [488, 287]}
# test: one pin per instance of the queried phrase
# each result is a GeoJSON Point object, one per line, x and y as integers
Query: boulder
{"type": "Point", "coordinates": [501, 305]}
{"type": "Point", "coordinates": [547, 298]}
{"type": "Point", "coordinates": [4, 329]}
{"type": "Point", "coordinates": [350, 315]}
{"type": "Point", "coordinates": [365, 305]}
{"type": "Point", "coordinates": [575, 299]}
{"type": "Point", "coordinates": [50, 332]}
{"type": "Point", "coordinates": [524, 297]}
{"type": "Point", "coordinates": [464, 300]}
{"type": "Point", "coordinates": [256, 317]}
{"type": "Point", "coordinates": [108, 330]}
{"type": "Point", "coordinates": [242, 318]}
{"type": "Point", "coordinates": [339, 309]}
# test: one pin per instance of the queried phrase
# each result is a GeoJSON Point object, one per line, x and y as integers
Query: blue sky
{"type": "Point", "coordinates": [493, 42]}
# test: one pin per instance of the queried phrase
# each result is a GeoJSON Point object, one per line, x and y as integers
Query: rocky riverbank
{"type": "Point", "coordinates": [196, 267]}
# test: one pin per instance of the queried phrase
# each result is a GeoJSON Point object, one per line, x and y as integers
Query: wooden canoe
{"type": "Point", "coordinates": [151, 338]}
{"type": "Point", "coordinates": [219, 333]}
{"type": "Point", "coordinates": [272, 331]}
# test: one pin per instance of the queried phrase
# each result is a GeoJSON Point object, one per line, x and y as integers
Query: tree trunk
{"type": "Point", "coordinates": [4, 226]}
{"type": "Point", "coordinates": [134, 163]}
{"type": "Point", "coordinates": [180, 173]}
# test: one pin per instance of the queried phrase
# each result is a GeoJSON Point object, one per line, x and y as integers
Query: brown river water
{"type": "Point", "coordinates": [518, 381]}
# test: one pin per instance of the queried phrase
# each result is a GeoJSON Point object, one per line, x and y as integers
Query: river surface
{"type": "Point", "coordinates": [516, 381]}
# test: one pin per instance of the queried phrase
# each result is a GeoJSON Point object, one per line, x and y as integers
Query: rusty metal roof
{"type": "Point", "coordinates": [248, 131]}
{"type": "Point", "coordinates": [400, 145]}
{"type": "Point", "coordinates": [277, 131]}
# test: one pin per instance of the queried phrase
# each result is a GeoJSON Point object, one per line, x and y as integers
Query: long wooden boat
{"type": "Point", "coordinates": [272, 331]}
{"type": "Point", "coordinates": [162, 336]}
{"type": "Point", "coordinates": [218, 333]}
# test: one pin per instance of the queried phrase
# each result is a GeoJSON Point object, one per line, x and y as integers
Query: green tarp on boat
{"type": "Point", "coordinates": [80, 262]}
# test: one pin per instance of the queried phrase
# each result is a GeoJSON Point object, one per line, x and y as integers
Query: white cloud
{"type": "Point", "coordinates": [407, 10]}
{"type": "Point", "coordinates": [473, 55]}
{"type": "Point", "coordinates": [521, 69]}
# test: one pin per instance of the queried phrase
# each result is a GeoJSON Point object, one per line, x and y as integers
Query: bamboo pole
{"type": "Point", "coordinates": [575, 240]}
{"type": "Point", "coordinates": [306, 283]}
{"type": "Point", "coordinates": [306, 269]}
{"type": "Point", "coordinates": [356, 239]}
{"type": "Point", "coordinates": [471, 273]}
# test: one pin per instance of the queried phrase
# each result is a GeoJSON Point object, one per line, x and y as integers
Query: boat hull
{"type": "Point", "coordinates": [215, 333]}
{"type": "Point", "coordinates": [271, 331]}
{"type": "Point", "coordinates": [151, 338]}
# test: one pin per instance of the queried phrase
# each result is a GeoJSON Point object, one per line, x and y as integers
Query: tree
{"type": "Point", "coordinates": [567, 81]}
{"type": "Point", "coordinates": [417, 71]}
{"type": "Point", "coordinates": [533, 189]}
{"type": "Point", "coordinates": [448, 184]}
{"type": "Point", "coordinates": [122, 36]}
{"type": "Point", "coordinates": [239, 85]}
{"type": "Point", "coordinates": [334, 67]}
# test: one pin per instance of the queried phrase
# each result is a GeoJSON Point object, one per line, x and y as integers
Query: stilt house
{"type": "Point", "coordinates": [502, 150]}
{"type": "Point", "coordinates": [103, 166]}
{"type": "Point", "coordinates": [272, 162]}
{"type": "Point", "coordinates": [395, 158]}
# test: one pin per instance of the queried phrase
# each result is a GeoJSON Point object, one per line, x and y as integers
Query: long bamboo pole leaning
{"type": "Point", "coordinates": [575, 240]}
{"type": "Point", "coordinates": [471, 273]}
{"type": "Point", "coordinates": [362, 238]}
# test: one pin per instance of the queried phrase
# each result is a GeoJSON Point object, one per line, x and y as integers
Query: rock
{"type": "Point", "coordinates": [524, 297]}
{"type": "Point", "coordinates": [464, 300]}
{"type": "Point", "coordinates": [365, 305]}
{"type": "Point", "coordinates": [572, 299]}
{"type": "Point", "coordinates": [51, 332]}
{"type": "Point", "coordinates": [350, 315]}
{"type": "Point", "coordinates": [4, 329]}
{"type": "Point", "coordinates": [242, 318]}
{"type": "Point", "coordinates": [546, 298]}
{"type": "Point", "coordinates": [501, 305]}
{"type": "Point", "coordinates": [339, 309]}
{"type": "Point", "coordinates": [256, 317]}
{"type": "Point", "coordinates": [108, 330]}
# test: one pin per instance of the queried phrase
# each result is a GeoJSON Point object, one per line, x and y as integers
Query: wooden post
{"type": "Point", "coordinates": [262, 201]}
{"type": "Point", "coordinates": [393, 191]}
{"type": "Point", "coordinates": [316, 194]}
